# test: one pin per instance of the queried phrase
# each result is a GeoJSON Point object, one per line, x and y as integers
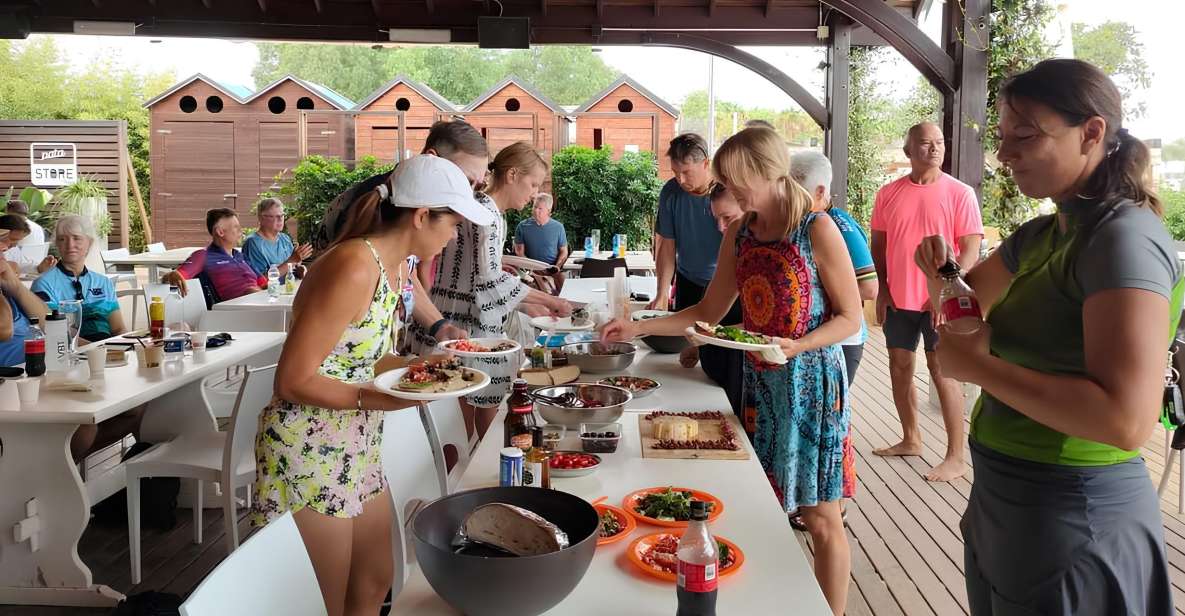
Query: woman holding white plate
{"type": "Point", "coordinates": [318, 448]}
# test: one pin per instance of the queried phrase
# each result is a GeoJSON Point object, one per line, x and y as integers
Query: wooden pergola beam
{"type": "Point", "coordinates": [784, 82]}
{"type": "Point", "coordinates": [262, 5]}
{"type": "Point", "coordinates": [712, 8]}
{"type": "Point", "coordinates": [966, 31]}
{"type": "Point", "coordinates": [600, 9]}
{"type": "Point", "coordinates": [835, 135]}
{"type": "Point", "coordinates": [209, 4]}
{"type": "Point", "coordinates": [657, 8]}
{"type": "Point", "coordinates": [374, 7]}
{"type": "Point", "coordinates": [906, 37]}
{"type": "Point", "coordinates": [543, 6]}
{"type": "Point", "coordinates": [318, 7]}
{"type": "Point", "coordinates": [769, 7]}
{"type": "Point", "coordinates": [430, 5]}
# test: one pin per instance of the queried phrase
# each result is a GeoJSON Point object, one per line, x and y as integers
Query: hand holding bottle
{"type": "Point", "coordinates": [932, 253]}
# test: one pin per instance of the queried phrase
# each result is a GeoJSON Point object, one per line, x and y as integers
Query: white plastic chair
{"type": "Point", "coordinates": [225, 457]}
{"type": "Point", "coordinates": [119, 274]}
{"type": "Point", "coordinates": [219, 390]}
{"type": "Point", "coordinates": [193, 305]}
{"type": "Point", "coordinates": [156, 249]}
{"type": "Point", "coordinates": [136, 295]}
{"type": "Point", "coordinates": [445, 426]}
{"type": "Point", "coordinates": [270, 574]}
{"type": "Point", "coordinates": [411, 475]}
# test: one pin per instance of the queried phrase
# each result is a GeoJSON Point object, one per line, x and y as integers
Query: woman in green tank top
{"type": "Point", "coordinates": [1063, 518]}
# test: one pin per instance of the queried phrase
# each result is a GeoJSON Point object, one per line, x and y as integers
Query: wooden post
{"type": "Point", "coordinates": [144, 220]}
{"type": "Point", "coordinates": [125, 225]}
{"type": "Point", "coordinates": [964, 112]}
{"type": "Point", "coordinates": [836, 133]}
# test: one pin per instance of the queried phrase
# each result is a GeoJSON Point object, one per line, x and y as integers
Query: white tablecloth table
{"type": "Point", "coordinates": [775, 579]}
{"type": "Point", "coordinates": [636, 261]}
{"type": "Point", "coordinates": [592, 290]}
{"type": "Point", "coordinates": [154, 260]}
{"type": "Point", "coordinates": [40, 485]}
{"type": "Point", "coordinates": [259, 300]}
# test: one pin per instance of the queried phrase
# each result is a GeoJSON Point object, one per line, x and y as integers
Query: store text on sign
{"type": "Point", "coordinates": [53, 164]}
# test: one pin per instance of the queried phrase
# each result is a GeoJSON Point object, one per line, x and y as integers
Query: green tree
{"type": "Point", "coordinates": [36, 85]}
{"type": "Point", "coordinates": [1174, 150]}
{"type": "Point", "coordinates": [567, 74]}
{"type": "Point", "coordinates": [793, 124]}
{"type": "Point", "coordinates": [1115, 47]}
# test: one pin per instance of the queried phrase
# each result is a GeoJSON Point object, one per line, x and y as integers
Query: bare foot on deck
{"type": "Point", "coordinates": [948, 470]}
{"type": "Point", "coordinates": [900, 449]}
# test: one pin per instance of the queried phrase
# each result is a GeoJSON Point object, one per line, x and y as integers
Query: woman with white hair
{"type": "Point", "coordinates": [70, 280]}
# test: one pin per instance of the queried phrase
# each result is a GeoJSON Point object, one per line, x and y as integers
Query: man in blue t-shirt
{"type": "Point", "coordinates": [543, 238]}
{"type": "Point", "coordinates": [269, 245]}
{"type": "Point", "coordinates": [687, 241]}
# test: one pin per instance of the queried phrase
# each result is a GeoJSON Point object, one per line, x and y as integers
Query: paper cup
{"type": "Point", "coordinates": [97, 359]}
{"type": "Point", "coordinates": [29, 390]}
{"type": "Point", "coordinates": [150, 357]}
{"type": "Point", "coordinates": [198, 339]}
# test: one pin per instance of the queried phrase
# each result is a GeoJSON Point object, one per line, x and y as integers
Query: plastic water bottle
{"type": "Point", "coordinates": [273, 283]}
{"type": "Point", "coordinates": [175, 312]}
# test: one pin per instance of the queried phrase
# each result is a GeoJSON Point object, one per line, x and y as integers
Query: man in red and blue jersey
{"type": "Point", "coordinates": [221, 263]}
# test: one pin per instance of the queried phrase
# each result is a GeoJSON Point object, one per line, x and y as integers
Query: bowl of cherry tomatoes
{"type": "Point", "coordinates": [573, 463]}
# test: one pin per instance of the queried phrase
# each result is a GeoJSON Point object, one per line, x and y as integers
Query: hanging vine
{"type": "Point", "coordinates": [866, 121]}
{"type": "Point", "coordinates": [1017, 43]}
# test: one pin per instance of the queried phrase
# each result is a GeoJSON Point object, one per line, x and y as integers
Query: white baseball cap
{"type": "Point", "coordinates": [433, 182]}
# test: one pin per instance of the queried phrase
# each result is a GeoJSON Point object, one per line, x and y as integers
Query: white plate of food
{"type": "Point", "coordinates": [731, 337]}
{"type": "Point", "coordinates": [439, 379]}
{"type": "Point", "coordinates": [576, 323]}
{"type": "Point", "coordinates": [480, 347]}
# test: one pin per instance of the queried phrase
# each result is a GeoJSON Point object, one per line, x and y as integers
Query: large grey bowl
{"type": "Point", "coordinates": [660, 344]}
{"type": "Point", "coordinates": [489, 585]}
{"type": "Point", "coordinates": [594, 356]}
{"type": "Point", "coordinates": [614, 399]}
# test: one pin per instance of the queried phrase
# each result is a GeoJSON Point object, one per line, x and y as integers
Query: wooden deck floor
{"type": "Point", "coordinates": [907, 553]}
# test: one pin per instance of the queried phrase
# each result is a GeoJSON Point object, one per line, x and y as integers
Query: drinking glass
{"type": "Point", "coordinates": [73, 311]}
{"type": "Point", "coordinates": [596, 237]}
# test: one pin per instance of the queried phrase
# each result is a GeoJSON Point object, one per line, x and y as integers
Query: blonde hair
{"type": "Point", "coordinates": [518, 155]}
{"type": "Point", "coordinates": [759, 154]}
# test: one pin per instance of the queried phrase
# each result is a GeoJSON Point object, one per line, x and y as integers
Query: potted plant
{"type": "Point", "coordinates": [88, 197]}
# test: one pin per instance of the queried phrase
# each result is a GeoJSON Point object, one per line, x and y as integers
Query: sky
{"type": "Point", "coordinates": [1156, 20]}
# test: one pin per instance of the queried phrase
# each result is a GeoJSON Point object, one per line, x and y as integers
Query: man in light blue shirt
{"type": "Point", "coordinates": [543, 238]}
{"type": "Point", "coordinates": [270, 245]}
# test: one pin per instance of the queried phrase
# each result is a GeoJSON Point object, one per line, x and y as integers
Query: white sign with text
{"type": "Point", "coordinates": [53, 164]}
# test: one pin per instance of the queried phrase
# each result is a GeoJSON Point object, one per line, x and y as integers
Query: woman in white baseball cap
{"type": "Point", "coordinates": [319, 442]}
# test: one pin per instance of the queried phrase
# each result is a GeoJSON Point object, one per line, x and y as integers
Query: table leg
{"type": "Point", "coordinates": [44, 497]}
{"type": "Point", "coordinates": [437, 449]}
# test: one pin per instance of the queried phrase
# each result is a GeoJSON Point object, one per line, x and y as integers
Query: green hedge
{"type": "Point", "coordinates": [593, 191]}
{"type": "Point", "coordinates": [315, 182]}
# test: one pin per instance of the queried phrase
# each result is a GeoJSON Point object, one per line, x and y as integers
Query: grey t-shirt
{"type": "Point", "coordinates": [687, 219]}
{"type": "Point", "coordinates": [1128, 249]}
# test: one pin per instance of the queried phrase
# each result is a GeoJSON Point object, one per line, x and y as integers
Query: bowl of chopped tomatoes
{"type": "Point", "coordinates": [573, 463]}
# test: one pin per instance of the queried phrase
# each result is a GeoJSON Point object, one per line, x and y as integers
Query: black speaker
{"type": "Point", "coordinates": [504, 32]}
{"type": "Point", "coordinates": [14, 25]}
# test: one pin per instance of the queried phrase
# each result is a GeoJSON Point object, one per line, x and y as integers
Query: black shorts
{"type": "Point", "coordinates": [852, 353]}
{"type": "Point", "coordinates": [904, 327]}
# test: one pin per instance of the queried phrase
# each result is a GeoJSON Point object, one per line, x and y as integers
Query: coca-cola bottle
{"type": "Point", "coordinates": [34, 350]}
{"type": "Point", "coordinates": [699, 562]}
{"type": "Point", "coordinates": [957, 302]}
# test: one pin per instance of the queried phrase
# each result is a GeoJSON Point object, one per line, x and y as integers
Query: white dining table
{"type": "Point", "coordinates": [592, 290]}
{"type": "Point", "coordinates": [154, 260]}
{"type": "Point", "coordinates": [636, 261]}
{"type": "Point", "coordinates": [44, 500]}
{"type": "Point", "coordinates": [775, 578]}
{"type": "Point", "coordinates": [260, 300]}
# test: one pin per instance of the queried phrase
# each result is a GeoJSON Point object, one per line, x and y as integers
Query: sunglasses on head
{"type": "Point", "coordinates": [77, 288]}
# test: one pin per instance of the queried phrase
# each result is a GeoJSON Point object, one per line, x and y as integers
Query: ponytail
{"type": "Point", "coordinates": [371, 213]}
{"type": "Point", "coordinates": [1125, 174]}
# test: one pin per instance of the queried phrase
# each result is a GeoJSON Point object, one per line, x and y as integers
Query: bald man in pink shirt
{"type": "Point", "coordinates": [925, 202]}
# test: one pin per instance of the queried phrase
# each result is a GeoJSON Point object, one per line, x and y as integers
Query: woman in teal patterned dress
{"type": "Point", "coordinates": [318, 449]}
{"type": "Point", "coordinates": [795, 280]}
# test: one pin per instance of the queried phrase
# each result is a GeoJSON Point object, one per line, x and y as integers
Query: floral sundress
{"type": "Point", "coordinates": [801, 407]}
{"type": "Point", "coordinates": [328, 459]}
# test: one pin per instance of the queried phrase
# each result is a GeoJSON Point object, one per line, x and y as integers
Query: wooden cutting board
{"type": "Point", "coordinates": [709, 430]}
